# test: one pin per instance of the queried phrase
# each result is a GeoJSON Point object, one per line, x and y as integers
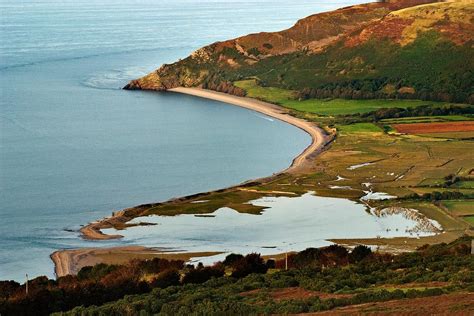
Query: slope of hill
{"type": "Point", "coordinates": [411, 49]}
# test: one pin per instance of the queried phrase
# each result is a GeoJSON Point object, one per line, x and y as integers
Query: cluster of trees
{"type": "Point", "coordinates": [378, 88]}
{"type": "Point", "coordinates": [423, 110]}
{"type": "Point", "coordinates": [102, 283]}
{"type": "Point", "coordinates": [91, 286]}
{"type": "Point", "coordinates": [438, 196]}
{"type": "Point", "coordinates": [352, 89]}
{"type": "Point", "coordinates": [217, 83]}
{"type": "Point", "coordinates": [171, 287]}
{"type": "Point", "coordinates": [331, 256]}
{"type": "Point", "coordinates": [224, 86]}
{"type": "Point", "coordinates": [395, 113]}
{"type": "Point", "coordinates": [452, 179]}
{"type": "Point", "coordinates": [242, 266]}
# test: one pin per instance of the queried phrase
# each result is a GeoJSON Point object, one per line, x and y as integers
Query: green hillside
{"type": "Point", "coordinates": [418, 52]}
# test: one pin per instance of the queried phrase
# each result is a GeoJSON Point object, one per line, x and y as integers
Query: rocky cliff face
{"type": "Point", "coordinates": [315, 38]}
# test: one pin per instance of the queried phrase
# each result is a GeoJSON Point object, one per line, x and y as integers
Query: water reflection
{"type": "Point", "coordinates": [287, 223]}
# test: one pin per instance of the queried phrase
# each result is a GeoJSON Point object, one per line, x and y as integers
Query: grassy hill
{"type": "Point", "coordinates": [397, 49]}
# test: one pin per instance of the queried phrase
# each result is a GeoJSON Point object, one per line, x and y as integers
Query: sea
{"type": "Point", "coordinates": [74, 146]}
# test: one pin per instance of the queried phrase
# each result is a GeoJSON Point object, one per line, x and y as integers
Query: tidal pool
{"type": "Point", "coordinates": [287, 223]}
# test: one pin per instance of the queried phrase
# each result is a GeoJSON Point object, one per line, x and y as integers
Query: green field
{"type": "Point", "coordinates": [464, 185]}
{"type": "Point", "coordinates": [285, 98]}
{"type": "Point", "coordinates": [430, 182]}
{"type": "Point", "coordinates": [469, 219]}
{"type": "Point", "coordinates": [360, 128]}
{"type": "Point", "coordinates": [450, 135]}
{"type": "Point", "coordinates": [460, 208]}
{"type": "Point", "coordinates": [427, 119]}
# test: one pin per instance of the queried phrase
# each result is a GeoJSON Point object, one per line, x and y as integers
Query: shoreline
{"type": "Point", "coordinates": [300, 163]}
{"type": "Point", "coordinates": [70, 261]}
{"type": "Point", "coordinates": [317, 135]}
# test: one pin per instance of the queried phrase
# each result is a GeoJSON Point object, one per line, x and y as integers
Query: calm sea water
{"type": "Point", "coordinates": [74, 147]}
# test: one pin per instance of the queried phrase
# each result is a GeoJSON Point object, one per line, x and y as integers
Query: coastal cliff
{"type": "Point", "coordinates": [412, 49]}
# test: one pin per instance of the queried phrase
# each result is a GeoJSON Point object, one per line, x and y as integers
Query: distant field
{"type": "Point", "coordinates": [428, 128]}
{"type": "Point", "coordinates": [469, 219]}
{"type": "Point", "coordinates": [323, 106]}
{"type": "Point", "coordinates": [453, 135]}
{"type": "Point", "coordinates": [431, 182]}
{"type": "Point", "coordinates": [464, 185]}
{"type": "Point", "coordinates": [460, 208]}
{"type": "Point", "coordinates": [427, 119]}
{"type": "Point", "coordinates": [360, 128]}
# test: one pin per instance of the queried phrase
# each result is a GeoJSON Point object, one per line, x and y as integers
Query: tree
{"type": "Point", "coordinates": [166, 278]}
{"type": "Point", "coordinates": [359, 253]}
{"type": "Point", "coordinates": [251, 263]}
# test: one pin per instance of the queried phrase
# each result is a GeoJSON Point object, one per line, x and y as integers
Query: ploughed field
{"type": "Point", "coordinates": [443, 127]}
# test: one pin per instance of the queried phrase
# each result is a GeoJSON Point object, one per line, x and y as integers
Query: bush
{"type": "Point", "coordinates": [251, 263]}
{"type": "Point", "coordinates": [231, 259]}
{"type": "Point", "coordinates": [201, 275]}
{"type": "Point", "coordinates": [7, 288]}
{"type": "Point", "coordinates": [359, 253]}
{"type": "Point", "coordinates": [166, 278]}
{"type": "Point", "coordinates": [96, 272]}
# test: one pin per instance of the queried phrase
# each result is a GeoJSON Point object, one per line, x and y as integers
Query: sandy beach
{"type": "Point", "coordinates": [71, 261]}
{"type": "Point", "coordinates": [275, 111]}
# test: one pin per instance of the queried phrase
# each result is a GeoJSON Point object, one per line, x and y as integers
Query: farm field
{"type": "Point", "coordinates": [459, 208]}
{"type": "Point", "coordinates": [451, 135]}
{"type": "Point", "coordinates": [463, 209]}
{"type": "Point", "coordinates": [360, 128]}
{"type": "Point", "coordinates": [438, 127]}
{"type": "Point", "coordinates": [464, 184]}
{"type": "Point", "coordinates": [469, 219]}
{"type": "Point", "coordinates": [427, 119]}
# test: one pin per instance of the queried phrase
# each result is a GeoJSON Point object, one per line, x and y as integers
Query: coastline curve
{"type": "Point", "coordinates": [318, 138]}
{"type": "Point", "coordinates": [300, 164]}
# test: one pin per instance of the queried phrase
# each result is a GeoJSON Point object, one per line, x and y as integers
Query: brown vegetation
{"type": "Point", "coordinates": [449, 304]}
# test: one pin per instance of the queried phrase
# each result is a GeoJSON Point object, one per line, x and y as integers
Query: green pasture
{"type": "Point", "coordinates": [286, 98]}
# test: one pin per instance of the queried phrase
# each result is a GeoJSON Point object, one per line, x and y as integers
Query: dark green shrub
{"type": "Point", "coordinates": [166, 278]}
